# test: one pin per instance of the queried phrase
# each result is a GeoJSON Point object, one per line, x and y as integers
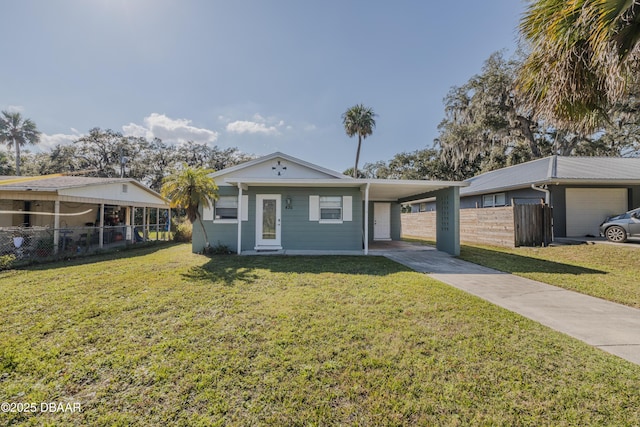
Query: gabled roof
{"type": "Point", "coordinates": [379, 189]}
{"type": "Point", "coordinates": [557, 170]}
{"type": "Point", "coordinates": [275, 155]}
{"type": "Point", "coordinates": [63, 182]}
{"type": "Point", "coordinates": [67, 185]}
{"type": "Point", "coordinates": [56, 183]}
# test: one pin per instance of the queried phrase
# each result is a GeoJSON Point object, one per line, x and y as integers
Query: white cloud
{"type": "Point", "coordinates": [244, 126]}
{"type": "Point", "coordinates": [133, 129]}
{"type": "Point", "coordinates": [47, 142]}
{"type": "Point", "coordinates": [169, 130]}
{"type": "Point", "coordinates": [14, 109]}
{"type": "Point", "coordinates": [257, 125]}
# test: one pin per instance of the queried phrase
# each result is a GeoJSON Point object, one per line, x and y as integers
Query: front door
{"type": "Point", "coordinates": [382, 221]}
{"type": "Point", "coordinates": [268, 221]}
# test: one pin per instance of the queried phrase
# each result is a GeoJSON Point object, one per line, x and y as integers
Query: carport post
{"type": "Point", "coordinates": [448, 220]}
{"type": "Point", "coordinates": [366, 219]}
{"type": "Point", "coordinates": [239, 215]}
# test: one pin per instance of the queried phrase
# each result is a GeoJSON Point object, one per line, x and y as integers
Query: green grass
{"type": "Point", "coordinates": [604, 271]}
{"type": "Point", "coordinates": [160, 336]}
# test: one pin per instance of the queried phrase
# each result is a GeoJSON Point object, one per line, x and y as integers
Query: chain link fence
{"type": "Point", "coordinates": [25, 245]}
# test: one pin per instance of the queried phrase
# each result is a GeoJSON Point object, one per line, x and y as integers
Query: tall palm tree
{"type": "Point", "coordinates": [189, 188]}
{"type": "Point", "coordinates": [16, 131]}
{"type": "Point", "coordinates": [584, 58]}
{"type": "Point", "coordinates": [358, 120]}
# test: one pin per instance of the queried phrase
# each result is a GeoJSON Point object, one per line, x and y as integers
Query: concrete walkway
{"type": "Point", "coordinates": [608, 326]}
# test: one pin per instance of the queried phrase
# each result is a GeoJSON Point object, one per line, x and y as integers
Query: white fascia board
{"type": "Point", "coordinates": [273, 156]}
{"type": "Point", "coordinates": [556, 181]}
{"type": "Point", "coordinates": [268, 182]}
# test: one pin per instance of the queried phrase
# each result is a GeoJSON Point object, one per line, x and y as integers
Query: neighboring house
{"type": "Point", "coordinates": [582, 191]}
{"type": "Point", "coordinates": [280, 203]}
{"type": "Point", "coordinates": [68, 205]}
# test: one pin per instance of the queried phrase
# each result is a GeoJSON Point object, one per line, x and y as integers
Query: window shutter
{"type": "Point", "coordinates": [314, 208]}
{"type": "Point", "coordinates": [207, 212]}
{"type": "Point", "coordinates": [347, 208]}
{"type": "Point", "coordinates": [245, 208]}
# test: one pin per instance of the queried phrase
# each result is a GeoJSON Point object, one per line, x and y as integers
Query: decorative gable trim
{"type": "Point", "coordinates": [273, 156]}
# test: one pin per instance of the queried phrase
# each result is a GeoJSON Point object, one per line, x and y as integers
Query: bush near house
{"type": "Point", "coordinates": [183, 230]}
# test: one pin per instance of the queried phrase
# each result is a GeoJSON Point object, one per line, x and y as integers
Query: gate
{"type": "Point", "coordinates": [533, 224]}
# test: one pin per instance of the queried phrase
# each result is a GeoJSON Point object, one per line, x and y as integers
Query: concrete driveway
{"type": "Point", "coordinates": [631, 243]}
{"type": "Point", "coordinates": [611, 327]}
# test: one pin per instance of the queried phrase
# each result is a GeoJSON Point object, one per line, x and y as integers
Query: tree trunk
{"type": "Point", "coordinates": [206, 238]}
{"type": "Point", "coordinates": [355, 169]}
{"type": "Point", "coordinates": [525, 127]}
{"type": "Point", "coordinates": [17, 156]}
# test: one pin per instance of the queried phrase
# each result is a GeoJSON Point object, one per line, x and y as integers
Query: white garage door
{"type": "Point", "coordinates": [588, 207]}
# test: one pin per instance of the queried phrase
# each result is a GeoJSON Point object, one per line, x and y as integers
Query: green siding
{"type": "Point", "coordinates": [298, 232]}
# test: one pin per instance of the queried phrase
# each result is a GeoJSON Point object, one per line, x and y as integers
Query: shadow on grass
{"type": "Point", "coordinates": [129, 251]}
{"type": "Point", "coordinates": [232, 269]}
{"type": "Point", "coordinates": [228, 275]}
{"type": "Point", "coordinates": [512, 263]}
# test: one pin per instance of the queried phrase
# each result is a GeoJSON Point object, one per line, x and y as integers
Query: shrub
{"type": "Point", "coordinates": [184, 230]}
{"type": "Point", "coordinates": [218, 249]}
{"type": "Point", "coordinates": [6, 261]}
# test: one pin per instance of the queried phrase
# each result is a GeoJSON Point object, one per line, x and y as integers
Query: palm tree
{"type": "Point", "coordinates": [16, 131]}
{"type": "Point", "coordinates": [584, 58]}
{"type": "Point", "coordinates": [189, 188]}
{"type": "Point", "coordinates": [358, 120]}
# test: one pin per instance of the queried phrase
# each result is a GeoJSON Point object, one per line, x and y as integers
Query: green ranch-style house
{"type": "Point", "coordinates": [278, 203]}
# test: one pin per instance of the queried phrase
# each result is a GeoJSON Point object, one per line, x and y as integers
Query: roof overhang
{"type": "Point", "coordinates": [549, 182]}
{"type": "Point", "coordinates": [379, 189]}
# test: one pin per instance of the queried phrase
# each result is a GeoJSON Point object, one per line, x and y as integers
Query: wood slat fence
{"type": "Point", "coordinates": [518, 225]}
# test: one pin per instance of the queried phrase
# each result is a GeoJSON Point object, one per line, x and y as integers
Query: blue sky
{"type": "Point", "coordinates": [260, 75]}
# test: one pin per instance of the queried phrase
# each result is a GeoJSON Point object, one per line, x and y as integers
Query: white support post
{"type": "Point", "coordinates": [366, 219]}
{"type": "Point", "coordinates": [133, 224]}
{"type": "Point", "coordinates": [240, 207]}
{"type": "Point", "coordinates": [169, 224]}
{"type": "Point", "coordinates": [144, 223]}
{"type": "Point", "coordinates": [56, 226]}
{"type": "Point", "coordinates": [101, 231]}
{"type": "Point", "coordinates": [157, 224]}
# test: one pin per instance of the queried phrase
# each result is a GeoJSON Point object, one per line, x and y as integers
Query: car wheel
{"type": "Point", "coordinates": [616, 234]}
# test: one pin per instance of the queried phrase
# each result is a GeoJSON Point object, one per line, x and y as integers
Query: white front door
{"type": "Point", "coordinates": [382, 221]}
{"type": "Point", "coordinates": [268, 221]}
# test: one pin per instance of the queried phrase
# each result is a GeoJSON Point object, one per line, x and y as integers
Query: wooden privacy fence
{"type": "Point", "coordinates": [519, 225]}
{"type": "Point", "coordinates": [533, 225]}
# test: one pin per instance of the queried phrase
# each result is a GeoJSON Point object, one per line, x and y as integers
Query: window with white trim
{"type": "Point", "coordinates": [330, 208]}
{"type": "Point", "coordinates": [494, 200]}
{"type": "Point", "coordinates": [226, 207]}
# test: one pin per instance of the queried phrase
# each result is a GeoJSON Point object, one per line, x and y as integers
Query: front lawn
{"type": "Point", "coordinates": [160, 336]}
{"type": "Point", "coordinates": [604, 271]}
